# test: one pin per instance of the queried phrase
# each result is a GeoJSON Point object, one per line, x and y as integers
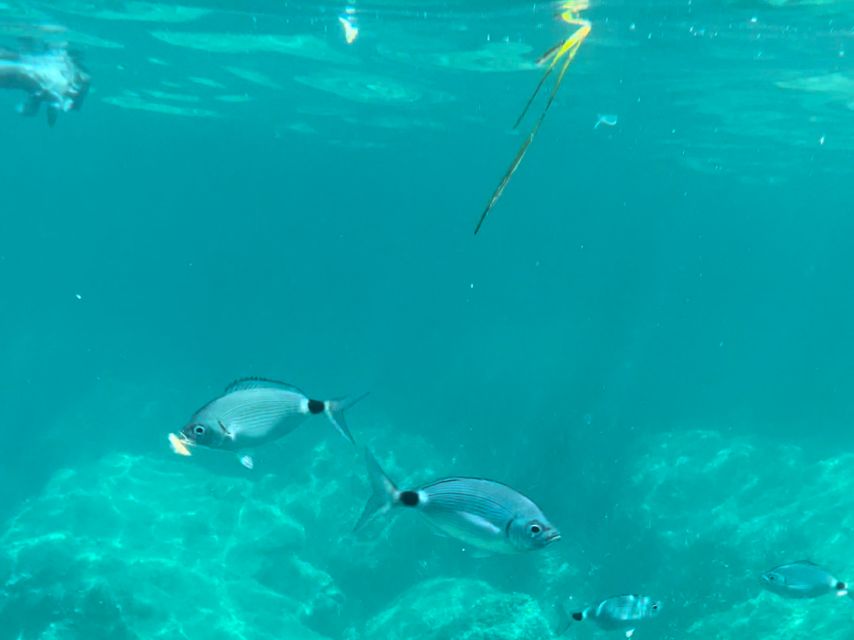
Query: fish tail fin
{"type": "Point", "coordinates": [564, 619]}
{"type": "Point", "coordinates": [335, 409]}
{"type": "Point", "coordinates": [385, 493]}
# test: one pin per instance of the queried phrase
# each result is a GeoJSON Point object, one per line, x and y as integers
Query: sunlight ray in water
{"type": "Point", "coordinates": [560, 57]}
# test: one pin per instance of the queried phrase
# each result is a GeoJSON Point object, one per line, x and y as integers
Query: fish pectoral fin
{"type": "Point", "coordinates": [247, 462]}
{"type": "Point", "coordinates": [480, 522]}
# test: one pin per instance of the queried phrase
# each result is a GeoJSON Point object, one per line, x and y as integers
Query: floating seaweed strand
{"type": "Point", "coordinates": [564, 51]}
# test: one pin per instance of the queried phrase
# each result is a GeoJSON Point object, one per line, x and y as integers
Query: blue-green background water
{"type": "Point", "coordinates": [646, 303]}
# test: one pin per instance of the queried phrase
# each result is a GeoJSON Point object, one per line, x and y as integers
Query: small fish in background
{"type": "Point", "coordinates": [620, 613]}
{"type": "Point", "coordinates": [349, 24]}
{"type": "Point", "coordinates": [606, 119]}
{"type": "Point", "coordinates": [488, 515]}
{"type": "Point", "coordinates": [253, 412]}
{"type": "Point", "coordinates": [803, 579]}
{"type": "Point", "coordinates": [48, 73]}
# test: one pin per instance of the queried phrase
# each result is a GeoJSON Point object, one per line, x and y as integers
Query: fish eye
{"type": "Point", "coordinates": [655, 607]}
{"type": "Point", "coordinates": [199, 430]}
{"type": "Point", "coordinates": [535, 529]}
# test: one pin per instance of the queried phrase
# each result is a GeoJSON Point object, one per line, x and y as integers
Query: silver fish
{"type": "Point", "coordinates": [802, 579]}
{"type": "Point", "coordinates": [620, 613]}
{"type": "Point", "coordinates": [49, 74]}
{"type": "Point", "coordinates": [256, 411]}
{"type": "Point", "coordinates": [485, 514]}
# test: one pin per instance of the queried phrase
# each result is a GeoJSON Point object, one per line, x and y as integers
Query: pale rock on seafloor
{"type": "Point", "coordinates": [718, 509]}
{"type": "Point", "coordinates": [144, 546]}
{"type": "Point", "coordinates": [134, 547]}
{"type": "Point", "coordinates": [460, 609]}
{"type": "Point", "coordinates": [130, 547]}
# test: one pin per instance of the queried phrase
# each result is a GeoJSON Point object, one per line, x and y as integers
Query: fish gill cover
{"type": "Point", "coordinates": [650, 335]}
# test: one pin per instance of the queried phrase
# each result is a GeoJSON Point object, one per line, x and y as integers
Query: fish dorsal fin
{"type": "Point", "coordinates": [243, 384]}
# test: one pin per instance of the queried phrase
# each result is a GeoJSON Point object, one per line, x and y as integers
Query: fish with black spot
{"type": "Point", "coordinates": [253, 412]}
{"type": "Point", "coordinates": [620, 613]}
{"type": "Point", "coordinates": [803, 579]}
{"type": "Point", "coordinates": [489, 516]}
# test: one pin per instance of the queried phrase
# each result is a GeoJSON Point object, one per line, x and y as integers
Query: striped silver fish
{"type": "Point", "coordinates": [802, 579]}
{"type": "Point", "coordinates": [485, 514]}
{"type": "Point", "coordinates": [253, 412]}
{"type": "Point", "coordinates": [620, 613]}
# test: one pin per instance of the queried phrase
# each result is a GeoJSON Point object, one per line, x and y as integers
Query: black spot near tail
{"type": "Point", "coordinates": [841, 586]}
{"type": "Point", "coordinates": [409, 498]}
{"type": "Point", "coordinates": [578, 616]}
{"type": "Point", "coordinates": [316, 406]}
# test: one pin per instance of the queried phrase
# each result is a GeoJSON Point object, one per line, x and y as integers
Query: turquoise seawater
{"type": "Point", "coordinates": [651, 336]}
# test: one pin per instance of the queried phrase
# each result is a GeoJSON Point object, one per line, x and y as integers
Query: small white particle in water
{"type": "Point", "coordinates": [721, 343]}
{"type": "Point", "coordinates": [471, 286]}
{"type": "Point", "coordinates": [632, 26]}
{"type": "Point", "coordinates": [821, 140]}
{"type": "Point", "coordinates": [78, 296]}
{"type": "Point", "coordinates": [754, 20]}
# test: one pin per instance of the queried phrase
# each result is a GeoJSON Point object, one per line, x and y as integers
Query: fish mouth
{"type": "Point", "coordinates": [183, 439]}
{"type": "Point", "coordinates": [554, 536]}
{"type": "Point", "coordinates": [180, 444]}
